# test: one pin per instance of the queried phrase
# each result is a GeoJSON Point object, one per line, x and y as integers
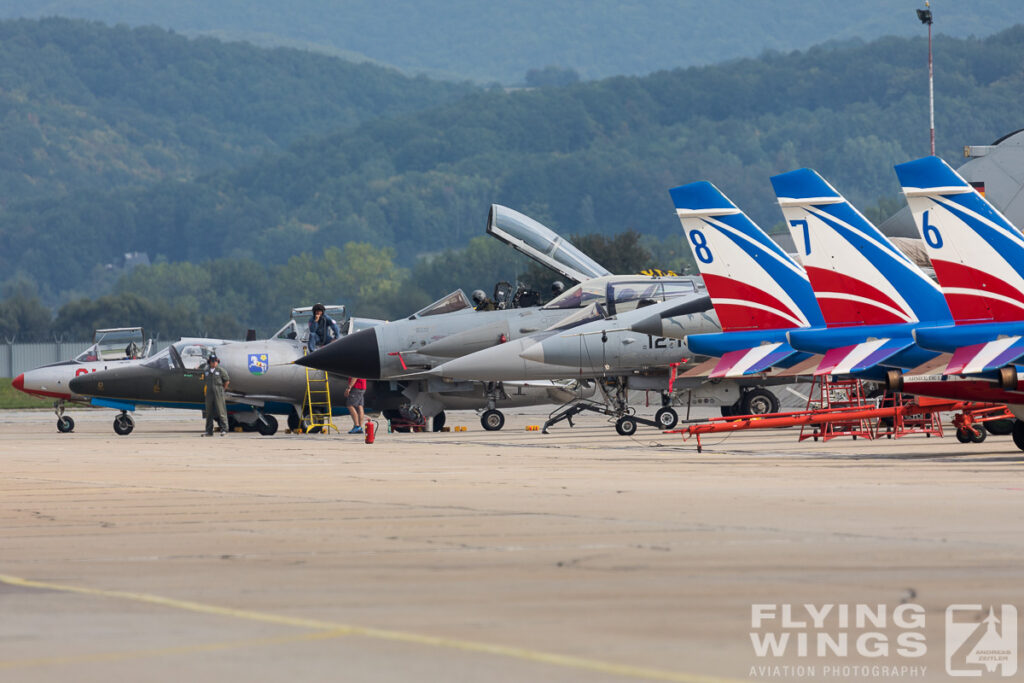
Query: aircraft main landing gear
{"type": "Point", "coordinates": [123, 424]}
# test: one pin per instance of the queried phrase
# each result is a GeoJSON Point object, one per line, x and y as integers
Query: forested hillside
{"type": "Point", "coordinates": [86, 106]}
{"type": "Point", "coordinates": [594, 157]}
{"type": "Point", "coordinates": [408, 192]}
{"type": "Point", "coordinates": [501, 41]}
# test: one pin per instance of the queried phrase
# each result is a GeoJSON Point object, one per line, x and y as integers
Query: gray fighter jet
{"type": "Point", "coordinates": [450, 327]}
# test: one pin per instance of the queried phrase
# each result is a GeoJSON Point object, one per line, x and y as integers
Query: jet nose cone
{"type": "Point", "coordinates": [81, 385]}
{"type": "Point", "coordinates": [651, 326]}
{"type": "Point", "coordinates": [534, 353]}
{"type": "Point", "coordinates": [19, 382]}
{"type": "Point", "coordinates": [355, 355]}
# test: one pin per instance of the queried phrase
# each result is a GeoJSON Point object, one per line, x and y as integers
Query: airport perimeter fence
{"type": "Point", "coordinates": [18, 358]}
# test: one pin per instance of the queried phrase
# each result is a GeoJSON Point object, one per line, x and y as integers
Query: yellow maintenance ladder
{"type": "Point", "coordinates": [317, 406]}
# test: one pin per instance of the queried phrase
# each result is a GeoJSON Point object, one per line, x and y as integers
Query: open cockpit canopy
{"type": "Point", "coordinates": [542, 244]}
{"type": "Point", "coordinates": [116, 343]}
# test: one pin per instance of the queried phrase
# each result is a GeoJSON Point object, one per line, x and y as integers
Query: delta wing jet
{"type": "Point", "coordinates": [599, 344]}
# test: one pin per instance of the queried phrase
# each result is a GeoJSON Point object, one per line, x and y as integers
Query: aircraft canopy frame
{"type": "Point", "coordinates": [543, 245]}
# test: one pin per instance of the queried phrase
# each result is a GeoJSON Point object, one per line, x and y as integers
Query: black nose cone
{"type": "Point", "coordinates": [82, 385]}
{"type": "Point", "coordinates": [355, 355]}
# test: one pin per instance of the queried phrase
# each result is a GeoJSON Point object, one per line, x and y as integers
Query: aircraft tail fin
{"type": "Point", "coordinates": [978, 255]}
{"type": "Point", "coordinates": [752, 282]}
{"type": "Point", "coordinates": [858, 275]}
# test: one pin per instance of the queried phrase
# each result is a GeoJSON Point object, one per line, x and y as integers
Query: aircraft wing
{"type": "Point", "coordinates": [257, 400]}
{"type": "Point", "coordinates": [859, 357]}
{"type": "Point", "coordinates": [976, 358]}
{"type": "Point", "coordinates": [752, 361]}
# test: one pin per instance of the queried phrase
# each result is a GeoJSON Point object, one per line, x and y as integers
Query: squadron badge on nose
{"type": "Point", "coordinates": [259, 363]}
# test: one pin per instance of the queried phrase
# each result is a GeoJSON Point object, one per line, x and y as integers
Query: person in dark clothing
{"type": "Point", "coordinates": [322, 329]}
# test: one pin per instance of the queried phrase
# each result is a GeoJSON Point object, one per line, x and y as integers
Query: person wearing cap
{"type": "Point", "coordinates": [217, 380]}
{"type": "Point", "coordinates": [322, 329]}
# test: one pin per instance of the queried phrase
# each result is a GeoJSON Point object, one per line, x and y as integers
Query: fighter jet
{"type": "Point", "coordinates": [450, 327]}
{"type": "Point", "coordinates": [597, 346]}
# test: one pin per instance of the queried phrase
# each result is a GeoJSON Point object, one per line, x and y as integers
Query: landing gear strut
{"type": "Point", "coordinates": [493, 419]}
{"type": "Point", "coordinates": [64, 422]}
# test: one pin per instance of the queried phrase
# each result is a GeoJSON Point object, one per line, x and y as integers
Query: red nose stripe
{"type": "Point", "coordinates": [19, 382]}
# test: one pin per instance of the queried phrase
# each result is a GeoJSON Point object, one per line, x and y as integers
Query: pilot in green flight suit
{"type": "Point", "coordinates": [217, 381]}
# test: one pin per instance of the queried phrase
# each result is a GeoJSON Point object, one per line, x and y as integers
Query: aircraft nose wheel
{"type": "Point", "coordinates": [492, 420]}
{"type": "Point", "coordinates": [626, 426]}
{"type": "Point", "coordinates": [666, 418]}
{"type": "Point", "coordinates": [123, 424]}
{"type": "Point", "coordinates": [65, 424]}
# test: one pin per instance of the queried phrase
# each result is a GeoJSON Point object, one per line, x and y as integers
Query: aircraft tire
{"type": "Point", "coordinates": [759, 402]}
{"type": "Point", "coordinates": [65, 424]}
{"type": "Point", "coordinates": [123, 424]}
{"type": "Point", "coordinates": [1018, 434]}
{"type": "Point", "coordinates": [626, 426]}
{"type": "Point", "coordinates": [667, 418]}
{"type": "Point", "coordinates": [438, 422]}
{"type": "Point", "coordinates": [294, 422]}
{"type": "Point", "coordinates": [267, 426]}
{"type": "Point", "coordinates": [1000, 427]}
{"type": "Point", "coordinates": [492, 420]}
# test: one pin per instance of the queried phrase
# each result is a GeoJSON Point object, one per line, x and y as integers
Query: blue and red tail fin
{"type": "Point", "coordinates": [978, 255]}
{"type": "Point", "coordinates": [753, 283]}
{"type": "Point", "coordinates": [858, 275]}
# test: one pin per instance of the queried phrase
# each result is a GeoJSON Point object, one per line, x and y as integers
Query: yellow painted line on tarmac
{"type": "Point", "coordinates": [334, 630]}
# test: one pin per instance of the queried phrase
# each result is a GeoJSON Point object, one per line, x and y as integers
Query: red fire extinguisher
{"type": "Point", "coordinates": [369, 431]}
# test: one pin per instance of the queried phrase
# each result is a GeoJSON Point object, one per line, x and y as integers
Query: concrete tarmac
{"type": "Point", "coordinates": [490, 556]}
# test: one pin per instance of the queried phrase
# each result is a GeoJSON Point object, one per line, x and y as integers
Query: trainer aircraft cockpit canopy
{"type": "Point", "coordinates": [187, 354]}
{"type": "Point", "coordinates": [118, 343]}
